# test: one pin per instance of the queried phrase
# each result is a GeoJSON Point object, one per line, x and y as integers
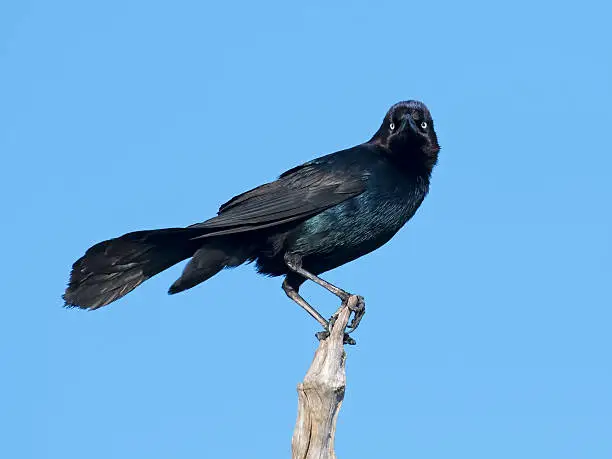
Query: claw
{"type": "Point", "coordinates": [358, 313]}
{"type": "Point", "coordinates": [332, 320]}
{"type": "Point", "coordinates": [322, 335]}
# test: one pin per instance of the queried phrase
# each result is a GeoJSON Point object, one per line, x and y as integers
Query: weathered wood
{"type": "Point", "coordinates": [321, 393]}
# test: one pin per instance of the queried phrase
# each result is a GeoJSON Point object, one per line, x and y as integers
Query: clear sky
{"type": "Point", "coordinates": [489, 315]}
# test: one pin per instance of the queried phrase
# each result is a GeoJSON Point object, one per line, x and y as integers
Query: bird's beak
{"type": "Point", "coordinates": [409, 121]}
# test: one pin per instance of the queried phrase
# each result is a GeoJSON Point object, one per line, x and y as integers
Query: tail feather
{"type": "Point", "coordinates": [113, 268]}
{"type": "Point", "coordinates": [208, 261]}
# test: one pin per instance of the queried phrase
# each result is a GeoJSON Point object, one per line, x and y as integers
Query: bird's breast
{"type": "Point", "coordinates": [359, 225]}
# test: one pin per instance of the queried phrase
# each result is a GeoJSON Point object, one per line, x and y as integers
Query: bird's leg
{"type": "Point", "coordinates": [294, 263]}
{"type": "Point", "coordinates": [291, 286]}
{"type": "Point", "coordinates": [292, 292]}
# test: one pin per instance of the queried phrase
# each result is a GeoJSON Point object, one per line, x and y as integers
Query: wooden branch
{"type": "Point", "coordinates": [321, 393]}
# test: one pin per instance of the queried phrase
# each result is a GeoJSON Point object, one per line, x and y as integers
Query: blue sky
{"type": "Point", "coordinates": [488, 325]}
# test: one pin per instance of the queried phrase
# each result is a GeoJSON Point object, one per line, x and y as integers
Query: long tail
{"type": "Point", "coordinates": [113, 268]}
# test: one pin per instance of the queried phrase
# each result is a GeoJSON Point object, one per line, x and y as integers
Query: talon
{"type": "Point", "coordinates": [358, 313]}
{"type": "Point", "coordinates": [332, 321]}
{"type": "Point", "coordinates": [322, 335]}
{"type": "Point", "coordinates": [360, 304]}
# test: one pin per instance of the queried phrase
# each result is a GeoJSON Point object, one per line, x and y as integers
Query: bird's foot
{"type": "Point", "coordinates": [332, 320]}
{"type": "Point", "coordinates": [323, 335]}
{"type": "Point", "coordinates": [358, 313]}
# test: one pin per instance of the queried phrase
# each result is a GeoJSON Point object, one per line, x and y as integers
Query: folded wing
{"type": "Point", "coordinates": [297, 195]}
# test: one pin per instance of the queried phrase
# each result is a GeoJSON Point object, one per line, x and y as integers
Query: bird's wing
{"type": "Point", "coordinates": [298, 194]}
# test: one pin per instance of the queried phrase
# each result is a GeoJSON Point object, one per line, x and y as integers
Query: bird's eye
{"type": "Point", "coordinates": [424, 125]}
{"type": "Point", "coordinates": [392, 126]}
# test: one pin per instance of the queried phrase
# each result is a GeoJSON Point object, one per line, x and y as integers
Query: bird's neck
{"type": "Point", "coordinates": [417, 162]}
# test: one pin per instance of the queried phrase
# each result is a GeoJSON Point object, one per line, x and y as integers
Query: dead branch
{"type": "Point", "coordinates": [321, 393]}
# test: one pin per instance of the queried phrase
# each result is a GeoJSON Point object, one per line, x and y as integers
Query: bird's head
{"type": "Point", "coordinates": [408, 133]}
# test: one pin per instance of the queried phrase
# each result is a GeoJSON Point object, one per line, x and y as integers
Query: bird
{"type": "Point", "coordinates": [315, 217]}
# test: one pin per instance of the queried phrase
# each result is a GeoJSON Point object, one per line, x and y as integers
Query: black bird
{"type": "Point", "coordinates": [314, 218]}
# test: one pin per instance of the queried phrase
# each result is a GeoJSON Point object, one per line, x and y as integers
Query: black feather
{"type": "Point", "coordinates": [328, 212]}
